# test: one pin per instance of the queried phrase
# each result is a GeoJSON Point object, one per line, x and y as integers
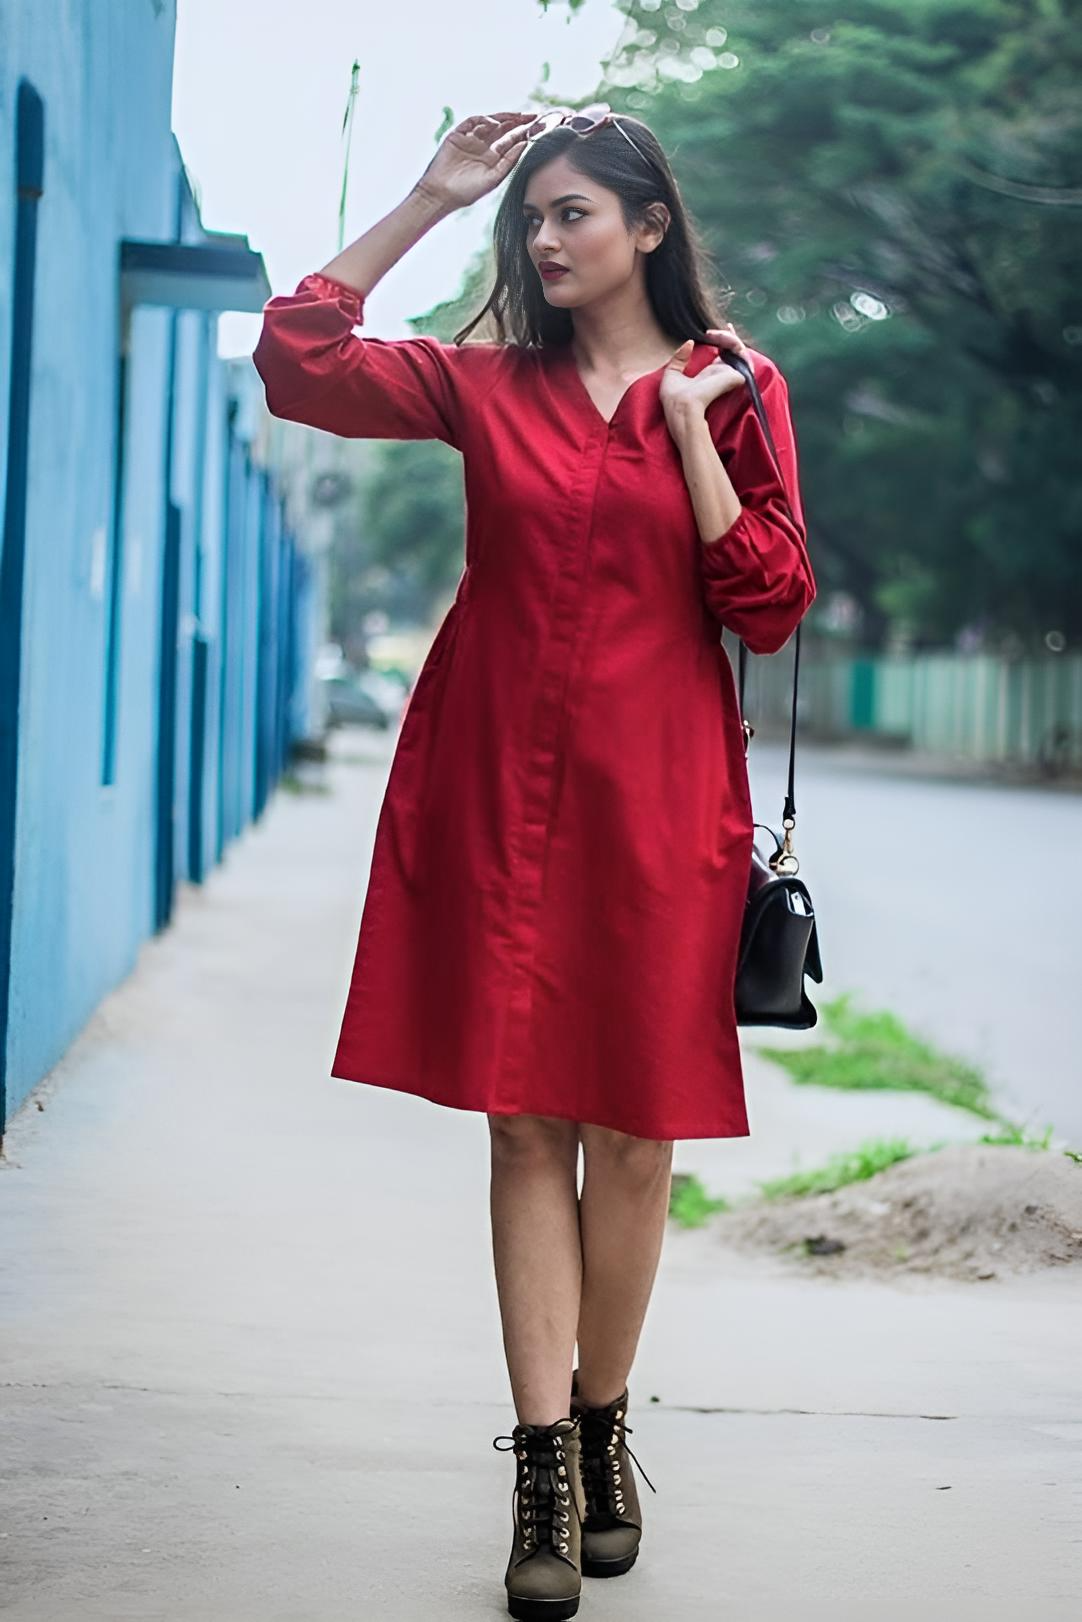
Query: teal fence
{"type": "Point", "coordinates": [971, 706]}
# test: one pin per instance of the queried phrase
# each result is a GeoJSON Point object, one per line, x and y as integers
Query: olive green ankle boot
{"type": "Point", "coordinates": [544, 1573]}
{"type": "Point", "coordinates": [612, 1529]}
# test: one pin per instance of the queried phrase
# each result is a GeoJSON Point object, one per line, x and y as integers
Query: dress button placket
{"type": "Point", "coordinates": [566, 614]}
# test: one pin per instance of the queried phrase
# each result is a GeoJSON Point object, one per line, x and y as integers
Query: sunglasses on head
{"type": "Point", "coordinates": [584, 121]}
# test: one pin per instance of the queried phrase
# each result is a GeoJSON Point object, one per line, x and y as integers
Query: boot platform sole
{"type": "Point", "coordinates": [543, 1610]}
{"type": "Point", "coordinates": [609, 1568]}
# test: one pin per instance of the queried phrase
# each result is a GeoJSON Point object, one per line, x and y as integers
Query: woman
{"type": "Point", "coordinates": [550, 928]}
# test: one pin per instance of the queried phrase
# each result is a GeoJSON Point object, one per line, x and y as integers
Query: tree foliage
{"type": "Point", "coordinates": [400, 546]}
{"type": "Point", "coordinates": [895, 197]}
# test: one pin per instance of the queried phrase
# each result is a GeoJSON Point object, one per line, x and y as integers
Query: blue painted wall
{"type": "Point", "coordinates": [87, 873]}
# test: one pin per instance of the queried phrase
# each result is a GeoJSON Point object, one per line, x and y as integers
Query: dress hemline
{"type": "Point", "coordinates": [434, 1095]}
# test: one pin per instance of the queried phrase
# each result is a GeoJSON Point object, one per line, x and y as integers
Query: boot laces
{"type": "Point", "coordinates": [604, 1432]}
{"type": "Point", "coordinates": [543, 1496]}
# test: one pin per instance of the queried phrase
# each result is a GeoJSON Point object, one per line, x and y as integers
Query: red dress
{"type": "Point", "coordinates": [561, 857]}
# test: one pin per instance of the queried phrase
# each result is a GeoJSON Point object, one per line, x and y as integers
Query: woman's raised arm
{"type": "Point", "coordinates": [317, 371]}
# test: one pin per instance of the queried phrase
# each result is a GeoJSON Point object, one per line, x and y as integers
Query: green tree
{"type": "Point", "coordinates": [894, 195]}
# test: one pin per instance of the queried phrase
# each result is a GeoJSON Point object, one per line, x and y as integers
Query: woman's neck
{"type": "Point", "coordinates": [617, 336]}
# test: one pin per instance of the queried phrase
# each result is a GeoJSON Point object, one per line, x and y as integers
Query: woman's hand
{"type": "Point", "coordinates": [682, 396]}
{"type": "Point", "coordinates": [474, 157]}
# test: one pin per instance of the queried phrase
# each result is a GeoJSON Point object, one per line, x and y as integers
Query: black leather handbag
{"type": "Point", "coordinates": [779, 939]}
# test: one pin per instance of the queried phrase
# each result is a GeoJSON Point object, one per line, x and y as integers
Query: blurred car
{"type": "Point", "coordinates": [362, 698]}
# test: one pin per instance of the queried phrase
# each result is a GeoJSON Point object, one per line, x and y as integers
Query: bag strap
{"type": "Point", "coordinates": [789, 810]}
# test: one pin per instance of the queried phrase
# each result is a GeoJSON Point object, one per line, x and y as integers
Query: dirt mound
{"type": "Point", "coordinates": [971, 1211]}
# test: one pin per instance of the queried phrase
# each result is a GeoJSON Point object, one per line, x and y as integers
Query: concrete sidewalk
{"type": "Point", "coordinates": [251, 1356]}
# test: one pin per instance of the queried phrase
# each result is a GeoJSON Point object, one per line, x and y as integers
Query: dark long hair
{"type": "Point", "coordinates": [678, 279]}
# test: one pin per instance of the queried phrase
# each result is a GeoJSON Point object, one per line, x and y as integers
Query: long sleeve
{"type": "Point", "coordinates": [757, 577]}
{"type": "Point", "coordinates": [317, 371]}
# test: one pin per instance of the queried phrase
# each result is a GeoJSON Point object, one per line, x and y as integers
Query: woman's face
{"type": "Point", "coordinates": [573, 221]}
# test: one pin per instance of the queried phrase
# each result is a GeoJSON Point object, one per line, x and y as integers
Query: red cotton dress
{"type": "Point", "coordinates": [561, 857]}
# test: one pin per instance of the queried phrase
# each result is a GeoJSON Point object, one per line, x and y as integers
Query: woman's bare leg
{"type": "Point", "coordinates": [622, 1216]}
{"type": "Point", "coordinates": [538, 1256]}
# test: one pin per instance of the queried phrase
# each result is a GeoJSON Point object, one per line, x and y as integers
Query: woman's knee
{"type": "Point", "coordinates": [603, 1145]}
{"type": "Point", "coordinates": [533, 1137]}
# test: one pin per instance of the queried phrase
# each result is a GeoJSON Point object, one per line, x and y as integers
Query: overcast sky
{"type": "Point", "coordinates": [260, 91]}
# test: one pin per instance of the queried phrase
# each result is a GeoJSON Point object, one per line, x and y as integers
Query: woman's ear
{"type": "Point", "coordinates": [657, 221]}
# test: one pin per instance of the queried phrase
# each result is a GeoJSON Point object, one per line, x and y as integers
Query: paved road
{"type": "Point", "coordinates": [250, 1348]}
{"type": "Point", "coordinates": [956, 904]}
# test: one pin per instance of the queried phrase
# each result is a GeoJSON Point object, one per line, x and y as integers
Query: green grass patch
{"type": "Point", "coordinates": [850, 1166]}
{"type": "Point", "coordinates": [689, 1203]}
{"type": "Point", "coordinates": [1019, 1137]}
{"type": "Point", "coordinates": [691, 1206]}
{"type": "Point", "coordinates": [875, 1051]}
